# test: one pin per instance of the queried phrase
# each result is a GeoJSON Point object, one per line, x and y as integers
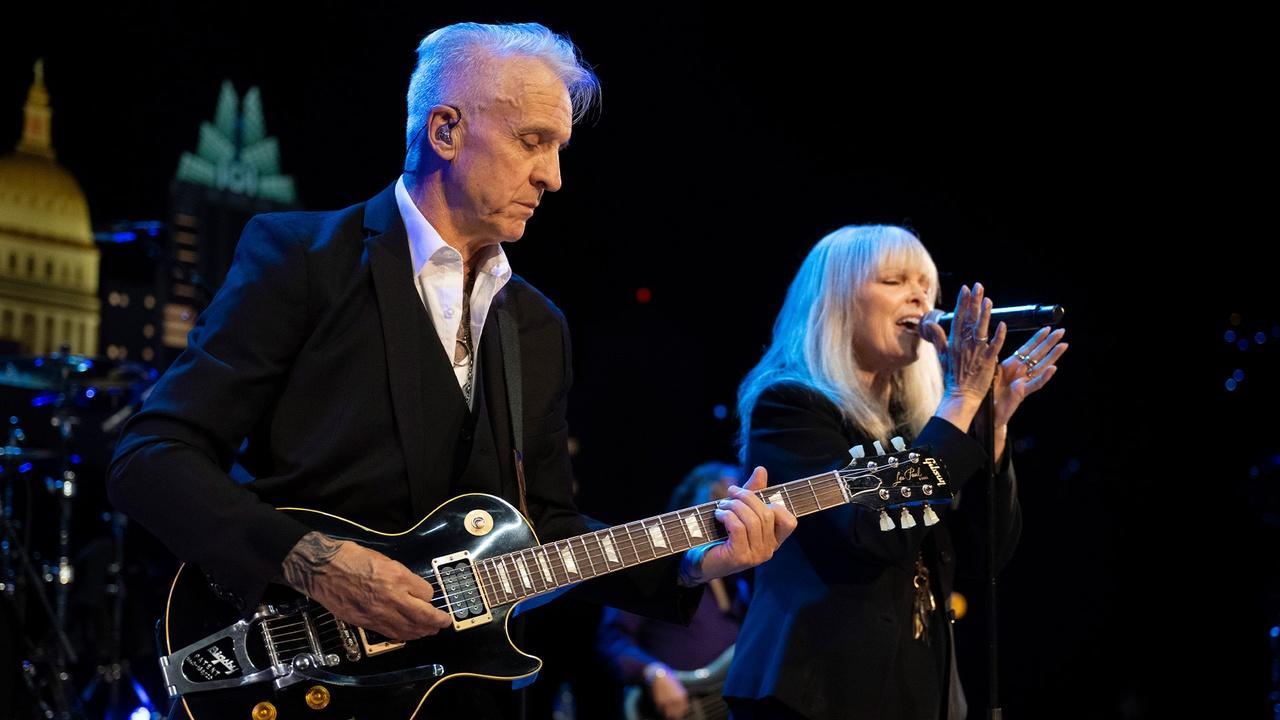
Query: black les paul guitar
{"type": "Point", "coordinates": [294, 659]}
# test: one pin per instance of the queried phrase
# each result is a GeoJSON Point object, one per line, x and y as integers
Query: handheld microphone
{"type": "Point", "coordinates": [1021, 317]}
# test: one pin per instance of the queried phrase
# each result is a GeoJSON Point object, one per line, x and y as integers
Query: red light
{"type": "Point", "coordinates": [643, 295]}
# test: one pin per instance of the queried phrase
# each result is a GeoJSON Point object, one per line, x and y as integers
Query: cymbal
{"type": "Point", "coordinates": [57, 371]}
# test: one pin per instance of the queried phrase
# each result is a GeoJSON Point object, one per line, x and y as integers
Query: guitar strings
{"type": "Point", "coordinates": [495, 591]}
{"type": "Point", "coordinates": [668, 522]}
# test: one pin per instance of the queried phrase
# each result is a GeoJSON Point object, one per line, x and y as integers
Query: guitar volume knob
{"type": "Point", "coordinates": [318, 697]}
{"type": "Point", "coordinates": [478, 522]}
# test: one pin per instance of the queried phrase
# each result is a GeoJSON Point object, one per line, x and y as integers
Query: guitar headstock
{"type": "Point", "coordinates": [901, 479]}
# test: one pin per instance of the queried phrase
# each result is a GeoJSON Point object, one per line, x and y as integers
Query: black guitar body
{"type": "Point", "coordinates": [389, 683]}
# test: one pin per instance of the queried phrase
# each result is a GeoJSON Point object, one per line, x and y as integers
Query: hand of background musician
{"type": "Point", "coordinates": [669, 694]}
{"type": "Point", "coordinates": [755, 529]}
{"type": "Point", "coordinates": [363, 587]}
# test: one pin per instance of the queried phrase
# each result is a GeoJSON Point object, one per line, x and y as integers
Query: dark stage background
{"type": "Point", "coordinates": [1059, 160]}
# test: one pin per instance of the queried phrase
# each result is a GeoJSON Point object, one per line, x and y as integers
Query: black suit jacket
{"type": "Point", "coordinates": [317, 367]}
{"type": "Point", "coordinates": [831, 612]}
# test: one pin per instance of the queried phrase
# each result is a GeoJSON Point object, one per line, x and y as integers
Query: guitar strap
{"type": "Point", "coordinates": [509, 335]}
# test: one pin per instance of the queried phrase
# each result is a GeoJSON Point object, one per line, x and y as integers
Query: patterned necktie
{"type": "Point", "coordinates": [463, 350]}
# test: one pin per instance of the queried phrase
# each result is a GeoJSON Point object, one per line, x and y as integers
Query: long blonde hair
{"type": "Point", "coordinates": [813, 335]}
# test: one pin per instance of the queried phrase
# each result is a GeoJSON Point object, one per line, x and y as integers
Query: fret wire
{"type": "Point", "coordinates": [529, 572]}
{"type": "Point", "coordinates": [787, 502]}
{"type": "Point", "coordinates": [648, 538]}
{"type": "Point", "coordinates": [477, 569]}
{"type": "Point", "coordinates": [703, 522]}
{"type": "Point", "coordinates": [635, 552]}
{"type": "Point", "coordinates": [535, 569]}
{"type": "Point", "coordinates": [604, 555]}
{"type": "Point", "coordinates": [513, 572]}
{"type": "Point", "coordinates": [613, 540]}
{"type": "Point", "coordinates": [544, 568]}
{"type": "Point", "coordinates": [549, 553]}
{"type": "Point", "coordinates": [594, 572]}
{"type": "Point", "coordinates": [540, 562]}
{"type": "Point", "coordinates": [629, 553]}
{"type": "Point", "coordinates": [680, 524]}
{"type": "Point", "coordinates": [488, 584]}
{"type": "Point", "coordinates": [561, 548]}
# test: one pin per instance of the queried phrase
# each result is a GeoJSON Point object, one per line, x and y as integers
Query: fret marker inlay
{"type": "Point", "coordinates": [502, 577]}
{"type": "Point", "coordinates": [546, 569]}
{"type": "Point", "coordinates": [609, 552]}
{"type": "Point", "coordinates": [657, 537]}
{"type": "Point", "coordinates": [569, 565]}
{"type": "Point", "coordinates": [524, 572]}
{"type": "Point", "coordinates": [691, 523]}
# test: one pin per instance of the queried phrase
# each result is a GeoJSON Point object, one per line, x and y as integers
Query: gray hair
{"type": "Point", "coordinates": [449, 58]}
{"type": "Point", "coordinates": [813, 334]}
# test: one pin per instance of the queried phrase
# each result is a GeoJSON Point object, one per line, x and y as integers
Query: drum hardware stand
{"type": "Point", "coordinates": [66, 379]}
{"type": "Point", "coordinates": [115, 668]}
{"type": "Point", "coordinates": [65, 420]}
{"type": "Point", "coordinates": [59, 680]}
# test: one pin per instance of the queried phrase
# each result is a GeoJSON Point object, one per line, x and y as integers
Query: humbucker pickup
{"type": "Point", "coordinates": [462, 592]}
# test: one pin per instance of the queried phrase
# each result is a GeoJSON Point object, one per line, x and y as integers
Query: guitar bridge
{"type": "Point", "coordinates": [463, 594]}
{"type": "Point", "coordinates": [349, 645]}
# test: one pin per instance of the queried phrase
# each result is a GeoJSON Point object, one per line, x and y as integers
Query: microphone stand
{"type": "Point", "coordinates": [994, 711]}
{"type": "Point", "coordinates": [1019, 318]}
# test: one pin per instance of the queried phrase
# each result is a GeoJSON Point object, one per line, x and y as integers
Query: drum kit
{"type": "Point", "coordinates": [66, 632]}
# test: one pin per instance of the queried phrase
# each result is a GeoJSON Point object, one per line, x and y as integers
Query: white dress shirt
{"type": "Point", "coordinates": [438, 275]}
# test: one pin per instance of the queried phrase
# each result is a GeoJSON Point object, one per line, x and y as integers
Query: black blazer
{"type": "Point", "coordinates": [317, 367]}
{"type": "Point", "coordinates": [829, 611]}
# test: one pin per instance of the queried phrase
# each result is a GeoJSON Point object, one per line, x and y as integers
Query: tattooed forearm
{"type": "Point", "coordinates": [308, 559]}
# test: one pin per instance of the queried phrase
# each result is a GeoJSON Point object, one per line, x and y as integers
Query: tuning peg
{"type": "Point", "coordinates": [858, 452]}
{"type": "Point", "coordinates": [930, 517]}
{"type": "Point", "coordinates": [898, 443]}
{"type": "Point", "coordinates": [879, 447]}
{"type": "Point", "coordinates": [906, 521]}
{"type": "Point", "coordinates": [886, 522]}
